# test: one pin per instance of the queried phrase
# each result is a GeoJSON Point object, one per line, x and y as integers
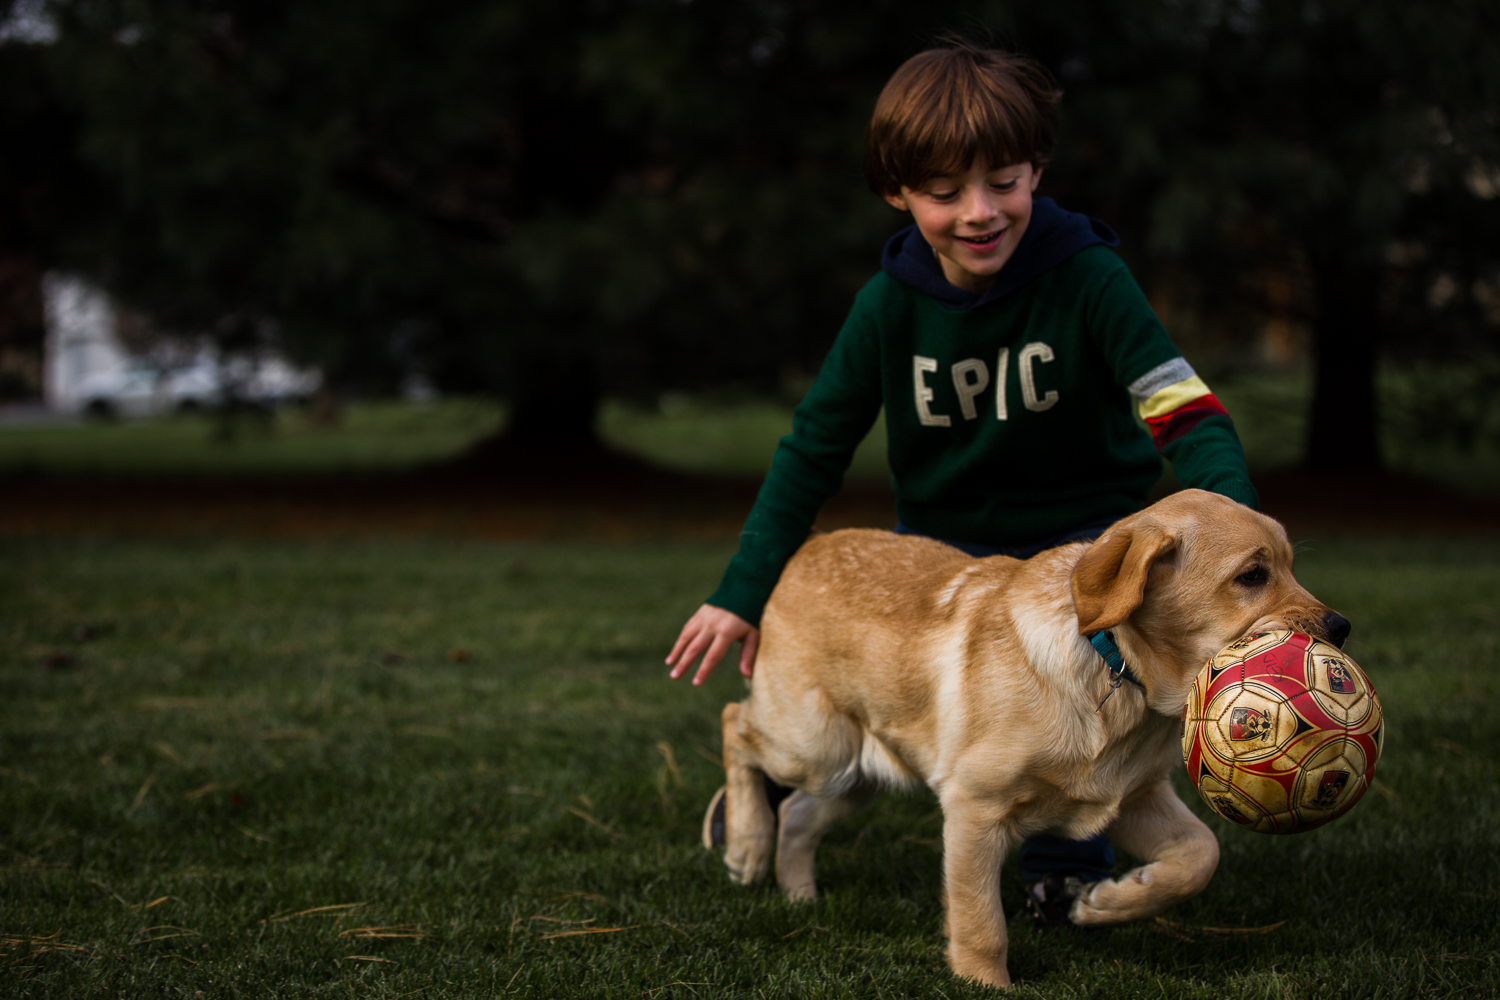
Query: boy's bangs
{"type": "Point", "coordinates": [946, 108]}
{"type": "Point", "coordinates": [953, 146]}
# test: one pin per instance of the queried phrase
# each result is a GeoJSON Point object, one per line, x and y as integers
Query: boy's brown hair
{"type": "Point", "coordinates": [946, 107]}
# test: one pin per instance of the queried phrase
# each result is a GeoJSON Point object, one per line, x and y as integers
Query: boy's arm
{"type": "Point", "coordinates": [1188, 425]}
{"type": "Point", "coordinates": [1193, 431]}
{"type": "Point", "coordinates": [809, 465]}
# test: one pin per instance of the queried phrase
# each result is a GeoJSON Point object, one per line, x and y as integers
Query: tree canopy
{"type": "Point", "coordinates": [553, 200]}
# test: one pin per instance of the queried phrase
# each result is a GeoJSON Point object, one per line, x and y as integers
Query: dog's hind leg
{"type": "Point", "coordinates": [804, 820]}
{"type": "Point", "coordinates": [1180, 854]}
{"type": "Point", "coordinates": [748, 823]}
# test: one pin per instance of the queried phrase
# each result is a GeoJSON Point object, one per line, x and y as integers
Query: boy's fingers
{"type": "Point", "coordinates": [748, 648]}
{"type": "Point", "coordinates": [682, 640]}
{"type": "Point", "coordinates": [697, 644]}
{"type": "Point", "coordinates": [711, 659]}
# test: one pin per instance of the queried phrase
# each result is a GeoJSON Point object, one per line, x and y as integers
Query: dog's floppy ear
{"type": "Point", "coordinates": [1110, 580]}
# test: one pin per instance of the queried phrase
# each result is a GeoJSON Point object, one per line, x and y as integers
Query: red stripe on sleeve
{"type": "Point", "coordinates": [1170, 426]}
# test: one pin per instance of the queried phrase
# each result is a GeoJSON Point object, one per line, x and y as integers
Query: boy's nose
{"type": "Point", "coordinates": [980, 207]}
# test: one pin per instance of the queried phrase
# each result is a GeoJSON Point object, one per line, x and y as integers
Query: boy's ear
{"type": "Point", "coordinates": [1036, 177]}
{"type": "Point", "coordinates": [1109, 582]}
{"type": "Point", "coordinates": [897, 202]}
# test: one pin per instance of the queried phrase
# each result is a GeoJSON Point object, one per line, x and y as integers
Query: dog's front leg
{"type": "Point", "coordinates": [1180, 854]}
{"type": "Point", "coordinates": [975, 839]}
{"type": "Point", "coordinates": [749, 825]}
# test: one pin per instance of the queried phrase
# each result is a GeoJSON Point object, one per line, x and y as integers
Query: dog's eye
{"type": "Point", "coordinates": [1256, 576]}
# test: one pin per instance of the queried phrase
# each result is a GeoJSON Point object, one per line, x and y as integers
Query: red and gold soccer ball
{"type": "Point", "coordinates": [1281, 732]}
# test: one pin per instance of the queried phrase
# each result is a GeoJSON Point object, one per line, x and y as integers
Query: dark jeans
{"type": "Point", "coordinates": [1042, 855]}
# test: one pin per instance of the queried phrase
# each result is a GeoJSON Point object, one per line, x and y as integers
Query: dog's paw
{"type": "Point", "coordinates": [1092, 906]}
{"type": "Point", "coordinates": [748, 863]}
{"type": "Point", "coordinates": [806, 892]}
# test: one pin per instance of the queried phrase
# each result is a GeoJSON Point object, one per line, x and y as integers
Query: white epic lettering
{"type": "Point", "coordinates": [1035, 351]}
{"type": "Point", "coordinates": [1002, 365]}
{"type": "Point", "coordinates": [925, 415]}
{"type": "Point", "coordinates": [968, 389]}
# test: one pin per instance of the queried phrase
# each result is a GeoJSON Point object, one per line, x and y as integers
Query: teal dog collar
{"type": "Point", "coordinates": [1118, 671]}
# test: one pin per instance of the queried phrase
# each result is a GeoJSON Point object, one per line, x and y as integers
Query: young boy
{"type": "Point", "coordinates": [1006, 342]}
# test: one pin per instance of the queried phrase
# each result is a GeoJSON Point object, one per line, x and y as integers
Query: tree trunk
{"type": "Point", "coordinates": [1342, 433]}
{"type": "Point", "coordinates": [556, 414]}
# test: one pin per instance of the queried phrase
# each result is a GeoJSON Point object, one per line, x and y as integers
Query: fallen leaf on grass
{"type": "Point", "coordinates": [560, 920]}
{"type": "Point", "coordinates": [140, 796]}
{"type": "Point", "coordinates": [37, 945]}
{"type": "Point", "coordinates": [137, 908]}
{"type": "Point", "coordinates": [599, 823]}
{"type": "Point", "coordinates": [332, 910]}
{"type": "Point", "coordinates": [712, 758]}
{"type": "Point", "coordinates": [166, 751]}
{"type": "Point", "coordinates": [578, 894]}
{"type": "Point", "coordinates": [369, 958]}
{"type": "Point", "coordinates": [177, 933]}
{"type": "Point", "coordinates": [198, 793]}
{"type": "Point", "coordinates": [1179, 930]}
{"type": "Point", "coordinates": [652, 993]}
{"type": "Point", "coordinates": [386, 933]}
{"type": "Point", "coordinates": [590, 930]}
{"type": "Point", "coordinates": [255, 836]}
{"type": "Point", "coordinates": [665, 749]}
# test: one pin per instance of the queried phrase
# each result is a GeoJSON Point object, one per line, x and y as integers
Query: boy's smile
{"type": "Point", "coordinates": [973, 220]}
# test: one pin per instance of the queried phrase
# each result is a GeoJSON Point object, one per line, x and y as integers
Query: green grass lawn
{"type": "Point", "coordinates": [369, 437]}
{"type": "Point", "coordinates": [423, 768]}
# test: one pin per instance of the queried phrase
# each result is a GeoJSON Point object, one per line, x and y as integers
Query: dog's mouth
{"type": "Point", "coordinates": [1330, 626]}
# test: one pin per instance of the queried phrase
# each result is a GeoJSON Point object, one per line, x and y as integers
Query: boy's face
{"type": "Point", "coordinates": [973, 220]}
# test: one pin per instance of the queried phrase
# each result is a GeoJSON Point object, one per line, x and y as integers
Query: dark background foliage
{"type": "Point", "coordinates": [556, 201]}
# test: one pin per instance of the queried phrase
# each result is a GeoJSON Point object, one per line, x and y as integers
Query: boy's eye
{"type": "Point", "coordinates": [943, 195]}
{"type": "Point", "coordinates": [1004, 186]}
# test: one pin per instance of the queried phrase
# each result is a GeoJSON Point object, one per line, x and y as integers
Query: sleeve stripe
{"type": "Point", "coordinates": [1170, 426]}
{"type": "Point", "coordinates": [1160, 377]}
{"type": "Point", "coordinates": [1172, 397]}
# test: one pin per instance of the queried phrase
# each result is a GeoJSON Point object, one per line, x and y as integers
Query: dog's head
{"type": "Point", "coordinates": [1181, 579]}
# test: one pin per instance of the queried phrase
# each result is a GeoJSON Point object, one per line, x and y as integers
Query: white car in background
{"type": "Point", "coordinates": [138, 388]}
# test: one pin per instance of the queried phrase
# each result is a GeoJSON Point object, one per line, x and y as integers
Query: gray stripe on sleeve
{"type": "Point", "coordinates": [1158, 378]}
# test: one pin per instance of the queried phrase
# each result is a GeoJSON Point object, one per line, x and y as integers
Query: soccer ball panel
{"type": "Point", "coordinates": [1249, 722]}
{"type": "Point", "coordinates": [1338, 686]}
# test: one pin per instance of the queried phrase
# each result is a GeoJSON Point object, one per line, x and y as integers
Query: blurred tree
{"type": "Point", "coordinates": [44, 192]}
{"type": "Point", "coordinates": [1337, 161]}
{"type": "Point", "coordinates": [553, 200]}
{"type": "Point", "coordinates": [542, 199]}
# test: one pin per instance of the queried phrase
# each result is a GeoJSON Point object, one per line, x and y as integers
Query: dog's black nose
{"type": "Point", "coordinates": [1337, 627]}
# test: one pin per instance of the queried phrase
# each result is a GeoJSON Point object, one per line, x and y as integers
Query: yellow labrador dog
{"type": "Point", "coordinates": [893, 660]}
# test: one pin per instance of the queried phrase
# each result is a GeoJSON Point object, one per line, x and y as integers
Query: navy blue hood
{"type": "Point", "coordinates": [1052, 236]}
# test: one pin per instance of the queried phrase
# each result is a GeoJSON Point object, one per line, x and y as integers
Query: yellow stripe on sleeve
{"type": "Point", "coordinates": [1174, 396]}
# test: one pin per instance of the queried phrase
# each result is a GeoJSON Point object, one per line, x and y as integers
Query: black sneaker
{"type": "Point", "coordinates": [713, 817]}
{"type": "Point", "coordinates": [1051, 900]}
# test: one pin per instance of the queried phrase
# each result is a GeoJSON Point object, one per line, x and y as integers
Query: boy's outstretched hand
{"type": "Point", "coordinates": [710, 633]}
